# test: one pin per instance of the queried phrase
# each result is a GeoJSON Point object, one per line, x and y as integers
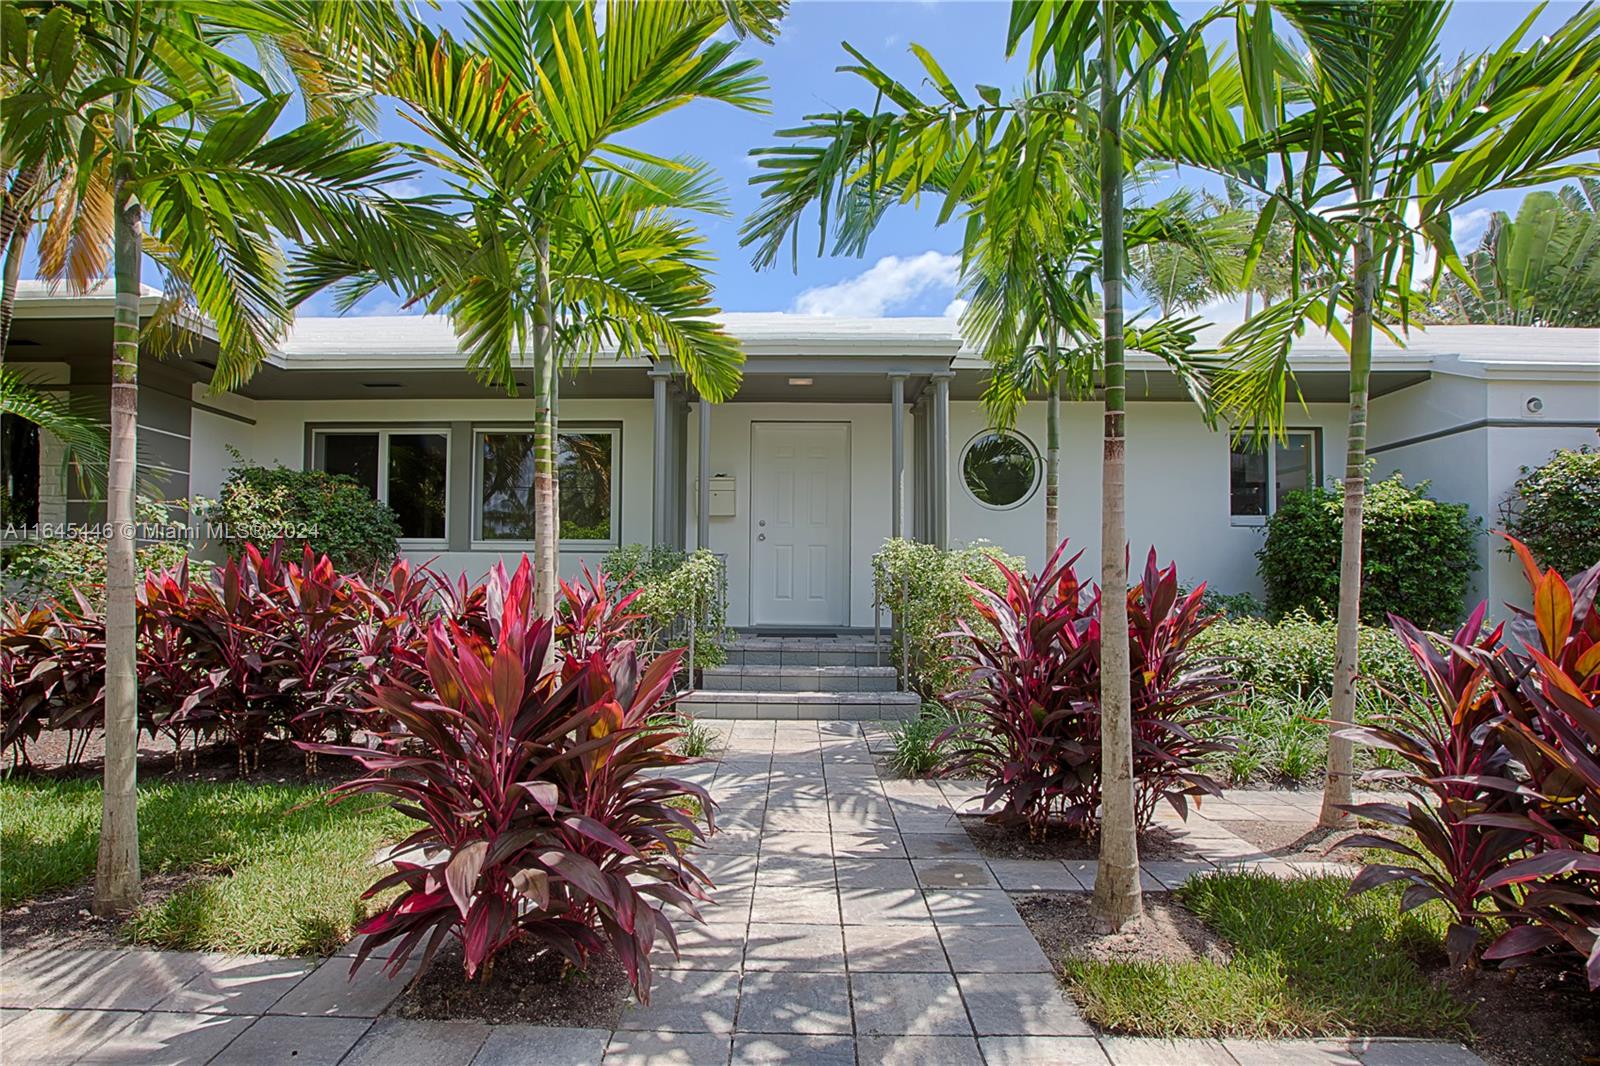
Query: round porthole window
{"type": "Point", "coordinates": [1000, 469]}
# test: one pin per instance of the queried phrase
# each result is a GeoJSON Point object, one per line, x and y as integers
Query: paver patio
{"type": "Point", "coordinates": [856, 924]}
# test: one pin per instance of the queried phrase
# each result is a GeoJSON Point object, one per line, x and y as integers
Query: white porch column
{"type": "Point", "coordinates": [660, 509]}
{"type": "Point", "coordinates": [897, 452]}
{"type": "Point", "coordinates": [940, 454]}
{"type": "Point", "coordinates": [702, 538]}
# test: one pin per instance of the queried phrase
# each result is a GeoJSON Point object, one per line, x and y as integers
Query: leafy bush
{"type": "Point", "coordinates": [544, 815]}
{"type": "Point", "coordinates": [1555, 510]}
{"type": "Point", "coordinates": [58, 568]}
{"type": "Point", "coordinates": [926, 588]}
{"type": "Point", "coordinates": [1293, 657]}
{"type": "Point", "coordinates": [676, 591]}
{"type": "Point", "coordinates": [1035, 730]}
{"type": "Point", "coordinates": [332, 513]}
{"type": "Point", "coordinates": [1507, 777]}
{"type": "Point", "coordinates": [1233, 605]}
{"type": "Point", "coordinates": [1417, 555]}
{"type": "Point", "coordinates": [920, 742]}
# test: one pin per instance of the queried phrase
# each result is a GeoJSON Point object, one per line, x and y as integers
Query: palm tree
{"type": "Point", "coordinates": [1541, 270]}
{"type": "Point", "coordinates": [1374, 143]}
{"type": "Point", "coordinates": [567, 239]}
{"type": "Point", "coordinates": [1087, 61]}
{"type": "Point", "coordinates": [167, 133]}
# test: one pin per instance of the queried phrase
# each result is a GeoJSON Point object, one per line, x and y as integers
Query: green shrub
{"type": "Point", "coordinates": [51, 568]}
{"type": "Point", "coordinates": [331, 512]}
{"type": "Point", "coordinates": [1417, 554]}
{"type": "Point", "coordinates": [675, 589]}
{"type": "Point", "coordinates": [925, 587]}
{"type": "Point", "coordinates": [1293, 657]}
{"type": "Point", "coordinates": [917, 751]}
{"type": "Point", "coordinates": [1555, 510]}
{"type": "Point", "coordinates": [1233, 605]}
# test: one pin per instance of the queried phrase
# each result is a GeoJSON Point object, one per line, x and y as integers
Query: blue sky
{"type": "Point", "coordinates": [909, 269]}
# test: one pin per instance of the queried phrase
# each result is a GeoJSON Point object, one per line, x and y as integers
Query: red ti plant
{"type": "Point", "coordinates": [169, 660]}
{"type": "Point", "coordinates": [313, 614]}
{"type": "Point", "coordinates": [30, 675]}
{"type": "Point", "coordinates": [393, 635]}
{"type": "Point", "coordinates": [1460, 782]}
{"type": "Point", "coordinates": [1175, 698]}
{"type": "Point", "coordinates": [543, 815]}
{"type": "Point", "coordinates": [1031, 731]}
{"type": "Point", "coordinates": [1035, 691]}
{"type": "Point", "coordinates": [590, 619]}
{"type": "Point", "coordinates": [1550, 692]}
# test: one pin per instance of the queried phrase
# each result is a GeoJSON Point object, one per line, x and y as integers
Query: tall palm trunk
{"type": "Point", "coordinates": [1341, 753]}
{"type": "Point", "coordinates": [1053, 466]}
{"type": "Point", "coordinates": [546, 545]}
{"type": "Point", "coordinates": [1117, 899]}
{"type": "Point", "coordinates": [116, 885]}
{"type": "Point", "coordinates": [16, 220]}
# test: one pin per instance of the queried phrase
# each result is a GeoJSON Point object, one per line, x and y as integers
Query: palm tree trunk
{"type": "Point", "coordinates": [546, 545]}
{"type": "Point", "coordinates": [116, 884]}
{"type": "Point", "coordinates": [1052, 454]}
{"type": "Point", "coordinates": [1117, 899]}
{"type": "Point", "coordinates": [1341, 752]}
{"type": "Point", "coordinates": [16, 220]}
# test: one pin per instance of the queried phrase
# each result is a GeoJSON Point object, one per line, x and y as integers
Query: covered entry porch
{"type": "Point", "coordinates": [800, 478]}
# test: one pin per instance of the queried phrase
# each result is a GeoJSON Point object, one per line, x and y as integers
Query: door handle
{"type": "Point", "coordinates": [761, 536]}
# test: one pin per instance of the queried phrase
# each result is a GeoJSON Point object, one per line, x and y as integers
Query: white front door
{"type": "Point", "coordinates": [800, 523]}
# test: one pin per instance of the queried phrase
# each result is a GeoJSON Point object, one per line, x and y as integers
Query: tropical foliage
{"type": "Point", "coordinates": [1503, 778]}
{"type": "Point", "coordinates": [545, 816]}
{"type": "Point", "coordinates": [1033, 724]}
{"type": "Point", "coordinates": [676, 592]}
{"type": "Point", "coordinates": [1541, 270]}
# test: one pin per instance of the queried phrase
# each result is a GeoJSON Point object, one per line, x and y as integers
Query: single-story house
{"type": "Point", "coordinates": [844, 432]}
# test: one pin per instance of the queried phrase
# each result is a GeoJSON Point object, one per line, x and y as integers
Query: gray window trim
{"type": "Point", "coordinates": [479, 543]}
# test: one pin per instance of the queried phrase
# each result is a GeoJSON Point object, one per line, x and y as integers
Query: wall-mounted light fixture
{"type": "Point", "coordinates": [800, 381]}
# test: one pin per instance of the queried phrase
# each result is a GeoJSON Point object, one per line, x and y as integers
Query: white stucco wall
{"type": "Point", "coordinates": [1177, 495]}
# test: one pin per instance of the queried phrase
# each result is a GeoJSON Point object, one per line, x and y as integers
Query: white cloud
{"type": "Point", "coordinates": [889, 283]}
{"type": "Point", "coordinates": [381, 305]}
{"type": "Point", "coordinates": [1228, 312]}
{"type": "Point", "coordinates": [1467, 226]}
{"type": "Point", "coordinates": [954, 308]}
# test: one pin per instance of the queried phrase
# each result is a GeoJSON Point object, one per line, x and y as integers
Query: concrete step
{"type": "Point", "coordinates": [807, 651]}
{"type": "Point", "coordinates": [843, 706]}
{"type": "Point", "coordinates": [800, 678]}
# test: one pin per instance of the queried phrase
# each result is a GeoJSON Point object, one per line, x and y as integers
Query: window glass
{"type": "Point", "coordinates": [1247, 487]}
{"type": "Point", "coordinates": [507, 487]}
{"type": "Point", "coordinates": [1000, 469]}
{"type": "Point", "coordinates": [353, 454]}
{"type": "Point", "coordinates": [1295, 460]}
{"type": "Point", "coordinates": [584, 480]}
{"type": "Point", "coordinates": [583, 472]}
{"type": "Point", "coordinates": [417, 466]}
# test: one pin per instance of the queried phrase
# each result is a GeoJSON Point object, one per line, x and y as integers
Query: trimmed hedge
{"type": "Point", "coordinates": [331, 512]}
{"type": "Point", "coordinates": [1293, 658]}
{"type": "Point", "coordinates": [1417, 556]}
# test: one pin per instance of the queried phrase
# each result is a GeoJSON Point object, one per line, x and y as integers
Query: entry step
{"type": "Point", "coordinates": [777, 704]}
{"type": "Point", "coordinates": [807, 651]}
{"type": "Point", "coordinates": [761, 678]}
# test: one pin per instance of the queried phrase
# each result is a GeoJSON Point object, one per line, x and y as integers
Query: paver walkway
{"type": "Point", "coordinates": [856, 925]}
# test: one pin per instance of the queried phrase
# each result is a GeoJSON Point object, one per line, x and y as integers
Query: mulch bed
{"type": "Point", "coordinates": [1168, 932]}
{"type": "Point", "coordinates": [1294, 841]}
{"type": "Point", "coordinates": [64, 920]}
{"type": "Point", "coordinates": [1532, 1016]}
{"type": "Point", "coordinates": [526, 985]}
{"type": "Point", "coordinates": [1011, 842]}
{"type": "Point", "coordinates": [280, 762]}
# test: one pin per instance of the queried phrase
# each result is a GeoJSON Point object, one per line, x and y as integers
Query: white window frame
{"type": "Point", "coordinates": [1038, 469]}
{"type": "Point", "coordinates": [481, 543]}
{"type": "Point", "coordinates": [384, 432]}
{"type": "Point", "coordinates": [1271, 451]}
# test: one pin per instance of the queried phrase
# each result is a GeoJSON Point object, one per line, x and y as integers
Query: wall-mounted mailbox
{"type": "Point", "coordinates": [724, 496]}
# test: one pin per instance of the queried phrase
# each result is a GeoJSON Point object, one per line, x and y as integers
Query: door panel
{"type": "Point", "coordinates": [800, 523]}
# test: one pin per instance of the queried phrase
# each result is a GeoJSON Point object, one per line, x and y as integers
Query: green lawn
{"type": "Point", "coordinates": [288, 869]}
{"type": "Point", "coordinates": [1308, 960]}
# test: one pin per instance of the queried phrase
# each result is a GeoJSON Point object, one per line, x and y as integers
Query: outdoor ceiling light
{"type": "Point", "coordinates": [800, 381]}
{"type": "Point", "coordinates": [382, 384]}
